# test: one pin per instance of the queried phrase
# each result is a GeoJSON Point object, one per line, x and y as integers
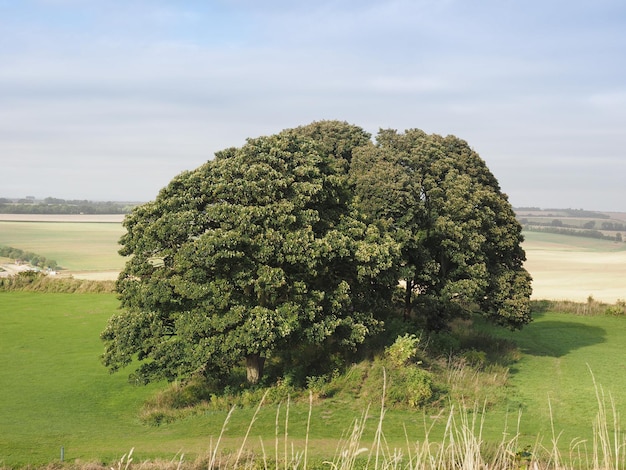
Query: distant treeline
{"type": "Point", "coordinates": [581, 213]}
{"type": "Point", "coordinates": [27, 257]}
{"type": "Point", "coordinates": [589, 225]}
{"type": "Point", "coordinates": [51, 205]}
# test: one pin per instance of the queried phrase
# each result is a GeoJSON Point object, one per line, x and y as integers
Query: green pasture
{"type": "Point", "coordinates": [553, 383]}
{"type": "Point", "coordinates": [543, 240]}
{"type": "Point", "coordinates": [77, 246]}
{"type": "Point", "coordinates": [54, 392]}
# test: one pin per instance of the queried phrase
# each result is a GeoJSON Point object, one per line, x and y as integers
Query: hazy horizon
{"type": "Point", "coordinates": [120, 201]}
{"type": "Point", "coordinates": [109, 100]}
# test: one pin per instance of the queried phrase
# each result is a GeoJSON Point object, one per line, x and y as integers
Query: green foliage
{"type": "Point", "coordinates": [260, 251]}
{"type": "Point", "coordinates": [619, 309]}
{"type": "Point", "coordinates": [410, 386]}
{"type": "Point", "coordinates": [475, 358]}
{"type": "Point", "coordinates": [443, 343]}
{"type": "Point", "coordinates": [296, 243]}
{"type": "Point", "coordinates": [403, 351]}
{"type": "Point", "coordinates": [26, 256]}
{"type": "Point", "coordinates": [461, 242]}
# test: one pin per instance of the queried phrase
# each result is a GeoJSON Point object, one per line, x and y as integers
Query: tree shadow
{"type": "Point", "coordinates": [558, 338]}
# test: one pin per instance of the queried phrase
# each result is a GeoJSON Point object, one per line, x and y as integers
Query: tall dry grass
{"type": "Point", "coordinates": [589, 308]}
{"type": "Point", "coordinates": [462, 447]}
{"type": "Point", "coordinates": [30, 281]}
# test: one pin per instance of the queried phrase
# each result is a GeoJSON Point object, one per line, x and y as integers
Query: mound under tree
{"type": "Point", "coordinates": [297, 241]}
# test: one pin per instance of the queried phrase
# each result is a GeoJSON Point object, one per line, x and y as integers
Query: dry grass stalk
{"type": "Point", "coordinates": [462, 446]}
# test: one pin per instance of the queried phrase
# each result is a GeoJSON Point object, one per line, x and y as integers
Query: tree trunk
{"type": "Point", "coordinates": [254, 368]}
{"type": "Point", "coordinates": [408, 296]}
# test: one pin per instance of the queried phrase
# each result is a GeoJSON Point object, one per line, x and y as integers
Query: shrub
{"type": "Point", "coordinates": [591, 307]}
{"type": "Point", "coordinates": [403, 350]}
{"type": "Point", "coordinates": [320, 385]}
{"type": "Point", "coordinates": [410, 386]}
{"type": "Point", "coordinates": [443, 343]}
{"type": "Point", "coordinates": [475, 358]}
{"type": "Point", "coordinates": [615, 310]}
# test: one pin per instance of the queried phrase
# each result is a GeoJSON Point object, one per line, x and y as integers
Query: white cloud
{"type": "Point", "coordinates": [147, 89]}
{"type": "Point", "coordinates": [614, 101]}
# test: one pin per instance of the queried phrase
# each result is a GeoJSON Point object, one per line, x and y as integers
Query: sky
{"type": "Point", "coordinates": [110, 99]}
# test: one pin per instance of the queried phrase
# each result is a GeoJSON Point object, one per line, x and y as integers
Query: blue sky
{"type": "Point", "coordinates": [108, 100]}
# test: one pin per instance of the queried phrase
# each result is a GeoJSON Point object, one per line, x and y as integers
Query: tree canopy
{"type": "Point", "coordinates": [257, 251]}
{"type": "Point", "coordinates": [300, 239]}
{"type": "Point", "coordinates": [461, 243]}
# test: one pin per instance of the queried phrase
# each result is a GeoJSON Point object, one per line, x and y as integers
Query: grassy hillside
{"type": "Point", "coordinates": [561, 355]}
{"type": "Point", "coordinates": [55, 393]}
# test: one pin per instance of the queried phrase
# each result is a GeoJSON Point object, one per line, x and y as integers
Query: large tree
{"type": "Point", "coordinates": [461, 243]}
{"type": "Point", "coordinates": [257, 251]}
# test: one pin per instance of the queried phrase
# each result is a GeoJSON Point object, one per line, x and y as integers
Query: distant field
{"type": "Point", "coordinates": [562, 266]}
{"type": "Point", "coordinates": [76, 246]}
{"type": "Point", "coordinates": [573, 268]}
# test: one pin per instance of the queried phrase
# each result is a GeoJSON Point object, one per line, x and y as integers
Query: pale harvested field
{"type": "Point", "coordinates": [573, 268]}
{"type": "Point", "coordinates": [96, 275]}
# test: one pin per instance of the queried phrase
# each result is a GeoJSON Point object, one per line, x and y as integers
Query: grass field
{"type": "Point", "coordinates": [76, 246]}
{"type": "Point", "coordinates": [55, 393]}
{"type": "Point", "coordinates": [560, 354]}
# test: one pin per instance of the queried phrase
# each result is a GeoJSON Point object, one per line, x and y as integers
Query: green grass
{"type": "Point", "coordinates": [73, 245]}
{"type": "Point", "coordinates": [54, 392]}
{"type": "Point", "coordinates": [560, 354]}
{"type": "Point", "coordinates": [543, 240]}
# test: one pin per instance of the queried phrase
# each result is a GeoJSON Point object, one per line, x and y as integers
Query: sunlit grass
{"type": "Point", "coordinates": [54, 392]}
{"type": "Point", "coordinates": [461, 446]}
